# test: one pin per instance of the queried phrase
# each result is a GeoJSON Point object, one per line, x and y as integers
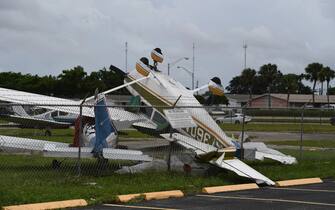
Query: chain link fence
{"type": "Point", "coordinates": [35, 141]}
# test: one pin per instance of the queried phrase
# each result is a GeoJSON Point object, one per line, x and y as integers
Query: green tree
{"type": "Point", "coordinates": [269, 75]}
{"type": "Point", "coordinates": [329, 75]}
{"type": "Point", "coordinates": [248, 77]}
{"type": "Point", "coordinates": [71, 82]}
{"type": "Point", "coordinates": [312, 74]}
{"type": "Point", "coordinates": [290, 82]}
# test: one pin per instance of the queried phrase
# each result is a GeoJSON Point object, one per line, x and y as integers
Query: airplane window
{"type": "Point", "coordinates": [147, 111]}
{"type": "Point", "coordinates": [62, 113]}
{"type": "Point", "coordinates": [158, 118]}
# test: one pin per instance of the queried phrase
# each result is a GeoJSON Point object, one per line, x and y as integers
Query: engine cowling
{"type": "Point", "coordinates": [142, 66]}
{"type": "Point", "coordinates": [215, 86]}
{"type": "Point", "coordinates": [157, 55]}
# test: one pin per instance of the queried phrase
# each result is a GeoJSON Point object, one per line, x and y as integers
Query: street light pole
{"type": "Point", "coordinates": [193, 66]}
{"type": "Point", "coordinates": [190, 72]}
{"type": "Point", "coordinates": [126, 55]}
{"type": "Point", "coordinates": [174, 62]}
{"type": "Point", "coordinates": [245, 55]}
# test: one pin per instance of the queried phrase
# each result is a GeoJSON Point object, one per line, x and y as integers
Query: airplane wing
{"type": "Point", "coordinates": [121, 118]}
{"type": "Point", "coordinates": [31, 122]}
{"type": "Point", "coordinates": [217, 157]}
{"type": "Point", "coordinates": [56, 149]}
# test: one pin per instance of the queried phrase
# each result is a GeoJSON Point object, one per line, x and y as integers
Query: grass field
{"type": "Point", "coordinates": [306, 143]}
{"type": "Point", "coordinates": [288, 127]}
{"type": "Point", "coordinates": [28, 179]}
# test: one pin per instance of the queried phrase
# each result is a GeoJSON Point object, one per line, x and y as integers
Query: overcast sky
{"type": "Point", "coordinates": [47, 36]}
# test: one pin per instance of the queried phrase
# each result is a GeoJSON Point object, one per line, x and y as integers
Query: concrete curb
{"type": "Point", "coordinates": [48, 205]}
{"type": "Point", "coordinates": [227, 188]}
{"type": "Point", "coordinates": [293, 182]}
{"type": "Point", "coordinates": [151, 195]}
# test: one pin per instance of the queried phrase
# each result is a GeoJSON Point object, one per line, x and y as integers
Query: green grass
{"type": "Point", "coordinates": [58, 135]}
{"type": "Point", "coordinates": [133, 134]}
{"type": "Point", "coordinates": [313, 164]}
{"type": "Point", "coordinates": [29, 179]}
{"type": "Point", "coordinates": [308, 128]}
{"type": "Point", "coordinates": [306, 143]}
{"type": "Point", "coordinates": [61, 135]}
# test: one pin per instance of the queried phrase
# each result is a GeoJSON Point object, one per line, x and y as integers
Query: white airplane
{"type": "Point", "coordinates": [207, 140]}
{"type": "Point", "coordinates": [47, 120]}
{"type": "Point", "coordinates": [99, 141]}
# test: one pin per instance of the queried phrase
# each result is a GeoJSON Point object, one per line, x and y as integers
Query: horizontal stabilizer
{"type": "Point", "coordinates": [259, 151]}
{"type": "Point", "coordinates": [189, 143]}
{"type": "Point", "coordinates": [242, 169]}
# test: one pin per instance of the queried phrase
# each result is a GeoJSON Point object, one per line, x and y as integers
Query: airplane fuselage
{"type": "Point", "coordinates": [161, 91]}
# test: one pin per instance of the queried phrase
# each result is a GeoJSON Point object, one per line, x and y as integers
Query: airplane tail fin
{"type": "Point", "coordinates": [105, 131]}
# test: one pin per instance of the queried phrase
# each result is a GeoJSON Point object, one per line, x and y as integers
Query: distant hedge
{"type": "Point", "coordinates": [291, 112]}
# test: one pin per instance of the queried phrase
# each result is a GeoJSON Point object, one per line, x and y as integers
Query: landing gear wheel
{"type": "Point", "coordinates": [47, 133]}
{"type": "Point", "coordinates": [119, 146]}
{"type": "Point", "coordinates": [55, 164]}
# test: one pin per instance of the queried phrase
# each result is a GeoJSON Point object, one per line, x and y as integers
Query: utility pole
{"type": "Point", "coordinates": [193, 67]}
{"type": "Point", "coordinates": [126, 53]}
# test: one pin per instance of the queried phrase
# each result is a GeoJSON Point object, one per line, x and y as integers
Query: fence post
{"type": "Point", "coordinates": [170, 150]}
{"type": "Point", "coordinates": [242, 134]}
{"type": "Point", "coordinates": [80, 139]}
{"type": "Point", "coordinates": [301, 130]}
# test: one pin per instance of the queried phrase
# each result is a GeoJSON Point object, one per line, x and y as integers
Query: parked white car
{"type": "Point", "coordinates": [235, 118]}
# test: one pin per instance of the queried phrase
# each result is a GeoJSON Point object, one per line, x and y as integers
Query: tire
{"type": "Point", "coordinates": [55, 164]}
{"type": "Point", "coordinates": [218, 121]}
{"type": "Point", "coordinates": [47, 133]}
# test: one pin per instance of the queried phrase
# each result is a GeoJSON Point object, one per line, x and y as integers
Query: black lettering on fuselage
{"type": "Point", "coordinates": [202, 135]}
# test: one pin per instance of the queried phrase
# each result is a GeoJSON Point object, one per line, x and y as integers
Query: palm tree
{"type": "Point", "coordinates": [322, 79]}
{"type": "Point", "coordinates": [290, 82]}
{"type": "Point", "coordinates": [248, 77]}
{"type": "Point", "coordinates": [312, 74]}
{"type": "Point", "coordinates": [329, 75]}
{"type": "Point", "coordinates": [269, 74]}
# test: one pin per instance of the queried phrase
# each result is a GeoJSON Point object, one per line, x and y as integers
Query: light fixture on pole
{"type": "Point", "coordinates": [175, 62]}
{"type": "Point", "coordinates": [190, 72]}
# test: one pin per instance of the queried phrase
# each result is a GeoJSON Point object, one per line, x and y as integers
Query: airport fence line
{"type": "Point", "coordinates": [38, 141]}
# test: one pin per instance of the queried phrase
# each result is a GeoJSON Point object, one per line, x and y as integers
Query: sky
{"type": "Point", "coordinates": [47, 36]}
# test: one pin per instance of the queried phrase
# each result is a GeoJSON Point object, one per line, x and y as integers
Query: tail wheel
{"type": "Point", "coordinates": [55, 164]}
{"type": "Point", "coordinates": [47, 133]}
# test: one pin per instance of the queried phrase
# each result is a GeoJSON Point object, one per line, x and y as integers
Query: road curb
{"type": "Point", "coordinates": [292, 182]}
{"type": "Point", "coordinates": [48, 205]}
{"type": "Point", "coordinates": [151, 195]}
{"type": "Point", "coordinates": [228, 188]}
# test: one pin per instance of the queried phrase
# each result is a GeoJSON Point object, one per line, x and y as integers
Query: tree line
{"type": "Point", "coordinates": [71, 83]}
{"type": "Point", "coordinates": [269, 79]}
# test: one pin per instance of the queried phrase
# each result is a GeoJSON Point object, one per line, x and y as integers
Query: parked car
{"type": "Point", "coordinates": [326, 106]}
{"type": "Point", "coordinates": [235, 118]}
{"type": "Point", "coordinates": [332, 120]}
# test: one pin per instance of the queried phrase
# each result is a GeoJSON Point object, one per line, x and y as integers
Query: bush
{"type": "Point", "coordinates": [291, 112]}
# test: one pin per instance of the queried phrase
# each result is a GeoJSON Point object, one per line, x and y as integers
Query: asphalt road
{"type": "Point", "coordinates": [316, 196]}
